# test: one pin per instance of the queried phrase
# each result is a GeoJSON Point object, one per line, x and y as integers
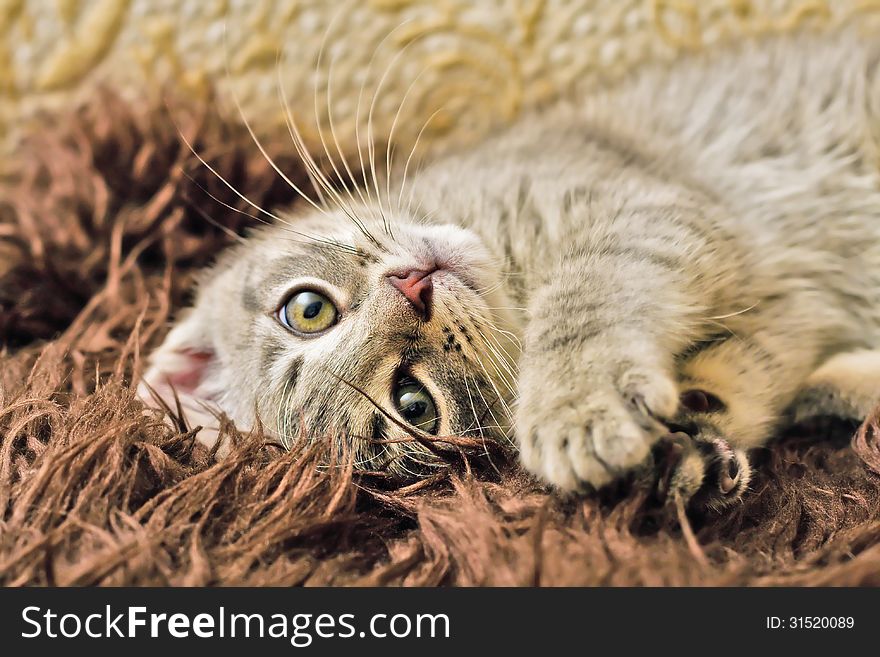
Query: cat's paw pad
{"type": "Point", "coordinates": [583, 436]}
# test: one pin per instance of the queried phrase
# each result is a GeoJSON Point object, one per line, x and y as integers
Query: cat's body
{"type": "Point", "coordinates": [710, 232]}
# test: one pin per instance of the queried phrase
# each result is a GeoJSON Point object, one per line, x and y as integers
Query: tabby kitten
{"type": "Point", "coordinates": [694, 252]}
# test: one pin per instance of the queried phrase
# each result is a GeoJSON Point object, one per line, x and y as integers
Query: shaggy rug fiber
{"type": "Point", "coordinates": [105, 215]}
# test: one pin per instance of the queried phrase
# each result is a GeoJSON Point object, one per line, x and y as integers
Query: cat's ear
{"type": "Point", "coordinates": [184, 373]}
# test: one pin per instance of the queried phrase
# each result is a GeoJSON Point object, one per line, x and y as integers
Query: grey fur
{"type": "Point", "coordinates": [714, 225]}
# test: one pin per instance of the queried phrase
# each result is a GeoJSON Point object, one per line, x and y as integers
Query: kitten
{"type": "Point", "coordinates": [696, 251]}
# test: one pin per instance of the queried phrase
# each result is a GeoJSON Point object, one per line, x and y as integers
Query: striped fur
{"type": "Point", "coordinates": [712, 226]}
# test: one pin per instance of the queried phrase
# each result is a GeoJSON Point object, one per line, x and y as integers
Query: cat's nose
{"type": "Point", "coordinates": [417, 287]}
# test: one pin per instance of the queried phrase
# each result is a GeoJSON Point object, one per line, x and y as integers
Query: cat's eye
{"type": "Point", "coordinates": [308, 311]}
{"type": "Point", "coordinates": [415, 405]}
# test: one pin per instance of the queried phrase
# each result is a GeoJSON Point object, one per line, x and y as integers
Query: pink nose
{"type": "Point", "coordinates": [416, 286]}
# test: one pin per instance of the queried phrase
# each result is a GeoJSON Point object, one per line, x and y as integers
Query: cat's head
{"type": "Point", "coordinates": [388, 333]}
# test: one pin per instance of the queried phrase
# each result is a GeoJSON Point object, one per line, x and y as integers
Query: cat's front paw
{"type": "Point", "coordinates": [573, 434]}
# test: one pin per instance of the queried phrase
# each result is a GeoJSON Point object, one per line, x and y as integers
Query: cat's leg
{"type": "Point", "coordinates": [734, 396]}
{"type": "Point", "coordinates": [597, 375]}
{"type": "Point", "coordinates": [846, 387]}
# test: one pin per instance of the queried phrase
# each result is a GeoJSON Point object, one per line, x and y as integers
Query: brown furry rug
{"type": "Point", "coordinates": [104, 216]}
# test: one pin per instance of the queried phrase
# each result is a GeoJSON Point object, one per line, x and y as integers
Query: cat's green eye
{"type": "Point", "coordinates": [308, 312]}
{"type": "Point", "coordinates": [415, 405]}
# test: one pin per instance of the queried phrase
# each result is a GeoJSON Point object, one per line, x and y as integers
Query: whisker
{"type": "Point", "coordinates": [484, 292]}
{"type": "Point", "coordinates": [206, 217]}
{"type": "Point", "coordinates": [412, 152]}
{"type": "Point", "coordinates": [283, 226]}
{"type": "Point", "coordinates": [473, 408]}
{"type": "Point", "coordinates": [504, 364]}
{"type": "Point", "coordinates": [347, 208]}
{"type": "Point", "coordinates": [390, 141]}
{"type": "Point", "coordinates": [293, 131]}
{"type": "Point", "coordinates": [503, 355]}
{"type": "Point", "coordinates": [503, 429]}
{"type": "Point", "coordinates": [345, 164]}
{"type": "Point", "coordinates": [491, 381]}
{"type": "Point", "coordinates": [240, 195]}
{"type": "Point", "coordinates": [285, 403]}
{"type": "Point", "coordinates": [738, 312]}
{"type": "Point", "coordinates": [244, 198]}
{"type": "Point", "coordinates": [370, 142]}
{"type": "Point", "coordinates": [479, 427]}
{"type": "Point", "coordinates": [324, 38]}
{"type": "Point", "coordinates": [723, 326]}
{"type": "Point", "coordinates": [357, 118]}
{"type": "Point", "coordinates": [253, 135]}
{"type": "Point", "coordinates": [319, 180]}
{"type": "Point", "coordinates": [388, 416]}
{"type": "Point", "coordinates": [508, 334]}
